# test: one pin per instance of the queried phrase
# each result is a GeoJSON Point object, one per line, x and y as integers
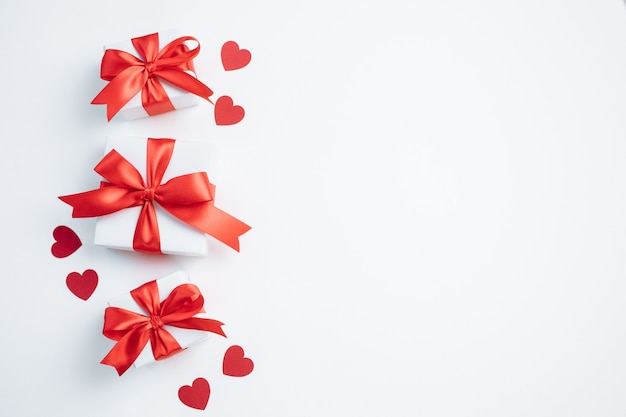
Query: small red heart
{"type": "Point", "coordinates": [67, 242]}
{"type": "Point", "coordinates": [82, 286]}
{"type": "Point", "coordinates": [195, 395]}
{"type": "Point", "coordinates": [234, 58]}
{"type": "Point", "coordinates": [226, 113]}
{"type": "Point", "coordinates": [235, 364]}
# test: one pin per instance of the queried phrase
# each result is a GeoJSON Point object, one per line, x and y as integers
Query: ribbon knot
{"type": "Point", "coordinates": [128, 74]}
{"type": "Point", "coordinates": [156, 322]}
{"type": "Point", "coordinates": [148, 194]}
{"type": "Point", "coordinates": [150, 67]}
{"type": "Point", "coordinates": [188, 197]}
{"type": "Point", "coordinates": [132, 330]}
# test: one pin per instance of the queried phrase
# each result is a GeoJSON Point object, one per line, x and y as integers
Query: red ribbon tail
{"type": "Point", "coordinates": [110, 360]}
{"type": "Point", "coordinates": [225, 228]}
{"type": "Point", "coordinates": [198, 323]}
{"type": "Point", "coordinates": [99, 202]}
{"type": "Point", "coordinates": [185, 81]}
{"type": "Point", "coordinates": [120, 90]}
{"type": "Point", "coordinates": [79, 203]}
{"type": "Point", "coordinates": [127, 350]}
{"type": "Point", "coordinates": [214, 222]}
{"type": "Point", "coordinates": [114, 104]}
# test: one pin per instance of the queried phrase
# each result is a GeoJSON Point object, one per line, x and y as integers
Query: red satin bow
{"type": "Point", "coordinates": [127, 74]}
{"type": "Point", "coordinates": [187, 197]}
{"type": "Point", "coordinates": [133, 330]}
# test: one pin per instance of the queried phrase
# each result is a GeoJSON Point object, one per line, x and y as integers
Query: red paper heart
{"type": "Point", "coordinates": [195, 395]}
{"type": "Point", "coordinates": [67, 242]}
{"type": "Point", "coordinates": [82, 286]}
{"type": "Point", "coordinates": [235, 364]}
{"type": "Point", "coordinates": [234, 58]}
{"type": "Point", "coordinates": [226, 113]}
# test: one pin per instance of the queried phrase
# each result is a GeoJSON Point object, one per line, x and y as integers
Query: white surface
{"type": "Point", "coordinates": [436, 195]}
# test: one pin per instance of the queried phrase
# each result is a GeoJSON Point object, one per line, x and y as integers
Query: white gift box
{"type": "Point", "coordinates": [180, 98]}
{"type": "Point", "coordinates": [116, 230]}
{"type": "Point", "coordinates": [184, 337]}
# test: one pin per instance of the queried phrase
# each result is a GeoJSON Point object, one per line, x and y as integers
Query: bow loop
{"type": "Point", "coordinates": [177, 54]}
{"type": "Point", "coordinates": [121, 321]}
{"type": "Point", "coordinates": [118, 170]}
{"type": "Point", "coordinates": [199, 190]}
{"type": "Point", "coordinates": [183, 301]}
{"type": "Point", "coordinates": [115, 61]}
{"type": "Point", "coordinates": [147, 298]}
{"type": "Point", "coordinates": [147, 46]}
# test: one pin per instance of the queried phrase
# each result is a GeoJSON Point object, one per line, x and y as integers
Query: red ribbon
{"type": "Point", "coordinates": [187, 197]}
{"type": "Point", "coordinates": [127, 74]}
{"type": "Point", "coordinates": [133, 330]}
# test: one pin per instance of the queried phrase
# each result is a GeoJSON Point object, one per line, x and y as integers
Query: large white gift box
{"type": "Point", "coordinates": [116, 230]}
{"type": "Point", "coordinates": [164, 205]}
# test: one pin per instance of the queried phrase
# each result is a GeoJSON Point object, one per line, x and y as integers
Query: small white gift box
{"type": "Point", "coordinates": [177, 96]}
{"type": "Point", "coordinates": [184, 337]}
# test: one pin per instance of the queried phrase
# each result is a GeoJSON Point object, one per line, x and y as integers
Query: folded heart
{"type": "Point", "coordinates": [67, 242]}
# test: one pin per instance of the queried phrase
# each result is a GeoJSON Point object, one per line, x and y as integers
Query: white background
{"type": "Point", "coordinates": [436, 195]}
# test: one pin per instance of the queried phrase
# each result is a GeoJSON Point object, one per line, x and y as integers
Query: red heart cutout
{"type": "Point", "coordinates": [67, 242]}
{"type": "Point", "coordinates": [235, 364]}
{"type": "Point", "coordinates": [82, 286]}
{"type": "Point", "coordinates": [234, 58]}
{"type": "Point", "coordinates": [195, 395]}
{"type": "Point", "coordinates": [226, 113]}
